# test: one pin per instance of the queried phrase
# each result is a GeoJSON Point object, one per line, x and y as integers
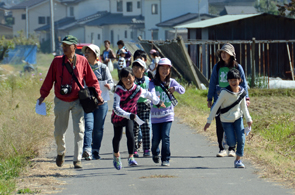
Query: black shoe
{"type": "Point", "coordinates": [95, 155]}
{"type": "Point", "coordinates": [60, 160]}
{"type": "Point", "coordinates": [156, 159]}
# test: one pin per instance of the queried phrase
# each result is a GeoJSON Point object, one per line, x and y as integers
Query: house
{"type": "Point", "coordinates": [272, 30]}
{"type": "Point", "coordinates": [29, 15]}
{"type": "Point", "coordinates": [158, 11]}
{"type": "Point", "coordinates": [218, 5]}
{"type": "Point", "coordinates": [231, 10]}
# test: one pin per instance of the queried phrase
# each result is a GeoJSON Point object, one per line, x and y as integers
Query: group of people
{"type": "Point", "coordinates": [143, 102]}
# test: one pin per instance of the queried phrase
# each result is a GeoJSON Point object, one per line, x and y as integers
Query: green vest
{"type": "Point", "coordinates": [145, 86]}
{"type": "Point", "coordinates": [222, 77]}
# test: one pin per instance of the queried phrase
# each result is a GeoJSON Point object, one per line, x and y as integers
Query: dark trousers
{"type": "Point", "coordinates": [118, 131]}
{"type": "Point", "coordinates": [143, 112]}
{"type": "Point", "coordinates": [219, 133]}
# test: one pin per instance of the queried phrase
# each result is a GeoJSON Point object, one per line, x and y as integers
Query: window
{"type": "Point", "coordinates": [138, 5]}
{"type": "Point", "coordinates": [41, 20]}
{"type": "Point", "coordinates": [155, 35]}
{"type": "Point", "coordinates": [48, 20]}
{"type": "Point", "coordinates": [131, 34]}
{"type": "Point", "coordinates": [126, 34]}
{"type": "Point", "coordinates": [98, 36]}
{"type": "Point", "coordinates": [129, 6]}
{"type": "Point", "coordinates": [119, 6]}
{"type": "Point", "coordinates": [71, 11]}
{"type": "Point", "coordinates": [23, 16]}
{"type": "Point", "coordinates": [154, 8]}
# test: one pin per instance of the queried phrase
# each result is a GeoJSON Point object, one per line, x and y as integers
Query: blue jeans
{"type": "Point", "coordinates": [94, 124]}
{"type": "Point", "coordinates": [161, 131]}
{"type": "Point", "coordinates": [235, 134]}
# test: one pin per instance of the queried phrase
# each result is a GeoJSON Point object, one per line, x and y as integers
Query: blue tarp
{"type": "Point", "coordinates": [21, 53]}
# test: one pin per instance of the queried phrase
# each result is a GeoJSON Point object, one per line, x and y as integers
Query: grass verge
{"type": "Point", "coordinates": [22, 131]}
{"type": "Point", "coordinates": [270, 145]}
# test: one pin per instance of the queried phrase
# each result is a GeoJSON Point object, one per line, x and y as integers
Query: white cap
{"type": "Point", "coordinates": [93, 48]}
{"type": "Point", "coordinates": [140, 62]}
{"type": "Point", "coordinates": [122, 51]}
{"type": "Point", "coordinates": [165, 61]}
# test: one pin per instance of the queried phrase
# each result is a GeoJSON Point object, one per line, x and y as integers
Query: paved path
{"type": "Point", "coordinates": [194, 170]}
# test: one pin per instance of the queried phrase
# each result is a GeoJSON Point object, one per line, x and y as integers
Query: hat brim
{"type": "Point", "coordinates": [220, 50]}
{"type": "Point", "coordinates": [68, 43]}
{"type": "Point", "coordinates": [165, 64]}
{"type": "Point", "coordinates": [83, 49]}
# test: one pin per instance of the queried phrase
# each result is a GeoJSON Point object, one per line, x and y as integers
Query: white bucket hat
{"type": "Point", "coordinates": [228, 48]}
{"type": "Point", "coordinates": [140, 62]}
{"type": "Point", "coordinates": [164, 61]}
{"type": "Point", "coordinates": [93, 48]}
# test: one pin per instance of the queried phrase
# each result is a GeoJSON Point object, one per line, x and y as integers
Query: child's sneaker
{"type": "Point", "coordinates": [231, 153]}
{"type": "Point", "coordinates": [239, 164]}
{"type": "Point", "coordinates": [156, 159]}
{"type": "Point", "coordinates": [95, 155]}
{"type": "Point", "coordinates": [86, 155]}
{"type": "Point", "coordinates": [221, 153]}
{"type": "Point", "coordinates": [146, 153]}
{"type": "Point", "coordinates": [166, 163]}
{"type": "Point", "coordinates": [117, 162]}
{"type": "Point", "coordinates": [132, 162]}
{"type": "Point", "coordinates": [136, 154]}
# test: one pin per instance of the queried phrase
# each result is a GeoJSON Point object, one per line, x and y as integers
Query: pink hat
{"type": "Point", "coordinates": [153, 51]}
{"type": "Point", "coordinates": [165, 61]}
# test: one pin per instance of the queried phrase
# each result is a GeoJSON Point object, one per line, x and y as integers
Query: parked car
{"type": "Point", "coordinates": [80, 46]}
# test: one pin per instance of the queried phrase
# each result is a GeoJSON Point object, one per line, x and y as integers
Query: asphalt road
{"type": "Point", "coordinates": [194, 169]}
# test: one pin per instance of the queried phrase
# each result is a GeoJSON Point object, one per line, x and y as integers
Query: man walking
{"type": "Point", "coordinates": [66, 97]}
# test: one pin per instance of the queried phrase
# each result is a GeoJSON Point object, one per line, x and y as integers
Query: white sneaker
{"type": "Point", "coordinates": [231, 153]}
{"type": "Point", "coordinates": [221, 153]}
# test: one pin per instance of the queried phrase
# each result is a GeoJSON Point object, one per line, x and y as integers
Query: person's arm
{"type": "Point", "coordinates": [244, 81]}
{"type": "Point", "coordinates": [119, 111]}
{"type": "Point", "coordinates": [212, 85]}
{"type": "Point", "coordinates": [245, 111]}
{"type": "Point", "coordinates": [151, 96]}
{"type": "Point", "coordinates": [175, 86]}
{"type": "Point", "coordinates": [217, 105]}
{"type": "Point", "coordinates": [109, 79]}
{"type": "Point", "coordinates": [90, 78]}
{"type": "Point", "coordinates": [111, 54]}
{"type": "Point", "coordinates": [48, 81]}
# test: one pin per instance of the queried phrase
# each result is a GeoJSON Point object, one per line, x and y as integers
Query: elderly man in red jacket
{"type": "Point", "coordinates": [66, 97]}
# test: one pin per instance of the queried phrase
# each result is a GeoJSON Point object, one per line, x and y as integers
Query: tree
{"type": "Point", "coordinates": [287, 7]}
{"type": "Point", "coordinates": [267, 6]}
{"type": "Point", "coordinates": [5, 45]}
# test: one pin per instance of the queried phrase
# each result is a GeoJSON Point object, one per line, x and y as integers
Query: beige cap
{"type": "Point", "coordinates": [93, 48]}
{"type": "Point", "coordinates": [228, 48]}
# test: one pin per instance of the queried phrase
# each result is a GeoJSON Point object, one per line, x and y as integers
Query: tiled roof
{"type": "Point", "coordinates": [25, 4]}
{"type": "Point", "coordinates": [57, 24]}
{"type": "Point", "coordinates": [183, 18]}
{"type": "Point", "coordinates": [239, 10]}
{"type": "Point", "coordinates": [110, 18]}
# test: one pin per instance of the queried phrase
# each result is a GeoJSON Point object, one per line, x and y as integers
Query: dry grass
{"type": "Point", "coordinates": [158, 176]}
{"type": "Point", "coordinates": [270, 145]}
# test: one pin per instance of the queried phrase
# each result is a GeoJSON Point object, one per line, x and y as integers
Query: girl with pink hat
{"type": "Point", "coordinates": [164, 86]}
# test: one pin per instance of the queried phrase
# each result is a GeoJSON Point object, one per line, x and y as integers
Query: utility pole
{"type": "Point", "coordinates": [27, 22]}
{"type": "Point", "coordinates": [52, 26]}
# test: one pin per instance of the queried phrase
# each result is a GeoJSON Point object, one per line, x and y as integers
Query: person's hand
{"type": "Point", "coordinates": [171, 90]}
{"type": "Point", "coordinates": [209, 104]}
{"type": "Point", "coordinates": [249, 123]}
{"type": "Point", "coordinates": [100, 99]}
{"type": "Point", "coordinates": [41, 99]}
{"type": "Point", "coordinates": [248, 102]}
{"type": "Point", "coordinates": [206, 126]}
{"type": "Point", "coordinates": [107, 86]}
{"type": "Point", "coordinates": [163, 105]}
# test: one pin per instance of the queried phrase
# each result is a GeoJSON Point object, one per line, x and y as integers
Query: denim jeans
{"type": "Point", "coordinates": [161, 131]}
{"type": "Point", "coordinates": [235, 134]}
{"type": "Point", "coordinates": [94, 125]}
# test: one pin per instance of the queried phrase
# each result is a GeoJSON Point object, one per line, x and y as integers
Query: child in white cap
{"type": "Point", "coordinates": [164, 86]}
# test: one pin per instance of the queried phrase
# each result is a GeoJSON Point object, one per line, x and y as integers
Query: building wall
{"type": "Point", "coordinates": [92, 7]}
{"type": "Point", "coordinates": [79, 33]}
{"type": "Point", "coordinates": [119, 33]}
{"type": "Point", "coordinates": [42, 10]}
{"type": "Point", "coordinates": [96, 31]}
{"type": "Point", "coordinates": [7, 32]}
{"type": "Point", "coordinates": [151, 19]}
{"type": "Point", "coordinates": [135, 10]}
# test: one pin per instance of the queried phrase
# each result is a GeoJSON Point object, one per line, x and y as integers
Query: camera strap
{"type": "Point", "coordinates": [70, 69]}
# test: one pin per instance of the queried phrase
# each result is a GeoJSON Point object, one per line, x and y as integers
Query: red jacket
{"type": "Point", "coordinates": [54, 75]}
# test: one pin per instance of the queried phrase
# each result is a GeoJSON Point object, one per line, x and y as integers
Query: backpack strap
{"type": "Point", "coordinates": [131, 96]}
{"type": "Point", "coordinates": [103, 71]}
{"type": "Point", "coordinates": [224, 110]}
